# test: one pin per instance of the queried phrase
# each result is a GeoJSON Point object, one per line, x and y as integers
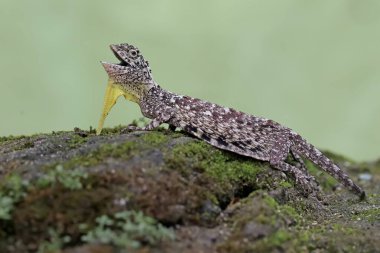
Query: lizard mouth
{"type": "Point", "coordinates": [118, 56]}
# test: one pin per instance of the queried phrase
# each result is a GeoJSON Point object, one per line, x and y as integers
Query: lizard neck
{"type": "Point", "coordinates": [154, 101]}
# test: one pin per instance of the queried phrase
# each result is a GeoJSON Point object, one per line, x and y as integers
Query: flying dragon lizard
{"type": "Point", "coordinates": [225, 128]}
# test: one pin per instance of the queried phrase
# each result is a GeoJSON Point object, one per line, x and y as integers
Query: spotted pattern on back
{"type": "Point", "coordinates": [220, 126]}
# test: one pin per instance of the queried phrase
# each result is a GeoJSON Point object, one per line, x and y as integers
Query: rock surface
{"type": "Point", "coordinates": [78, 192]}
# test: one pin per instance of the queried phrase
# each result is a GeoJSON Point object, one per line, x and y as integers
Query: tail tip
{"type": "Point", "coordinates": [362, 195]}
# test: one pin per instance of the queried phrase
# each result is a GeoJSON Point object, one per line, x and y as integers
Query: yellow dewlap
{"type": "Point", "coordinates": [113, 92]}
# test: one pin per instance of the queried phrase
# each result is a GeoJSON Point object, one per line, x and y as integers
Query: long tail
{"type": "Point", "coordinates": [304, 148]}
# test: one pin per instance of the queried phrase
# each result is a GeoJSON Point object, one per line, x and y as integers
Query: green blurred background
{"type": "Point", "coordinates": [312, 65]}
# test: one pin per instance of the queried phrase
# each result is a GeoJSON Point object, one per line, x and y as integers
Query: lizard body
{"type": "Point", "coordinates": [222, 127]}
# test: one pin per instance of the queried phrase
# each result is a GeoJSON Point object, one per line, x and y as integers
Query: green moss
{"type": "Point", "coordinates": [222, 166]}
{"type": "Point", "coordinates": [6, 206]}
{"type": "Point", "coordinates": [272, 221]}
{"type": "Point", "coordinates": [371, 215]}
{"type": "Point", "coordinates": [282, 240]}
{"type": "Point", "coordinates": [154, 138]}
{"type": "Point", "coordinates": [55, 242]}
{"type": "Point", "coordinates": [60, 209]}
{"type": "Point", "coordinates": [334, 237]}
{"type": "Point", "coordinates": [210, 196]}
{"type": "Point", "coordinates": [278, 238]}
{"type": "Point", "coordinates": [11, 138]}
{"type": "Point", "coordinates": [69, 179]}
{"type": "Point", "coordinates": [12, 190]}
{"type": "Point", "coordinates": [19, 142]}
{"type": "Point", "coordinates": [24, 145]}
{"type": "Point", "coordinates": [286, 184]}
{"type": "Point", "coordinates": [337, 227]}
{"type": "Point", "coordinates": [373, 198]}
{"type": "Point", "coordinates": [128, 230]}
{"type": "Point", "coordinates": [76, 141]}
{"type": "Point", "coordinates": [285, 212]}
{"type": "Point", "coordinates": [271, 202]}
{"type": "Point", "coordinates": [190, 189]}
{"type": "Point", "coordinates": [290, 212]}
{"type": "Point", "coordinates": [123, 151]}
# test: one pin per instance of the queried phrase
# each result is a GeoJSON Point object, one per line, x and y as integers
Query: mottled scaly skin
{"type": "Point", "coordinates": [222, 127]}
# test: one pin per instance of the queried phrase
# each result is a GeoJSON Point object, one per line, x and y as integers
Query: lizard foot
{"type": "Point", "coordinates": [306, 184]}
{"type": "Point", "coordinates": [172, 128]}
{"type": "Point", "coordinates": [131, 128]}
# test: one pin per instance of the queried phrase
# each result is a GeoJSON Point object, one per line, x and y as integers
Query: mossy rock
{"type": "Point", "coordinates": [59, 191]}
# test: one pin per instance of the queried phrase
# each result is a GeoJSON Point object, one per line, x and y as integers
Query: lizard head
{"type": "Point", "coordinates": [132, 74]}
{"type": "Point", "coordinates": [130, 78]}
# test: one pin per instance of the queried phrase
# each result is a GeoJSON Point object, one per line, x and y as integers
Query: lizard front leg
{"type": "Point", "coordinates": [163, 117]}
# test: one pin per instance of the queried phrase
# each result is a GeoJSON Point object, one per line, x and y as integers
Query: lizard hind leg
{"type": "Point", "coordinates": [301, 164]}
{"type": "Point", "coordinates": [302, 178]}
{"type": "Point", "coordinates": [298, 159]}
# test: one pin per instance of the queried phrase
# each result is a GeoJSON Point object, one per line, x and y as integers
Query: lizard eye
{"type": "Point", "coordinates": [133, 53]}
